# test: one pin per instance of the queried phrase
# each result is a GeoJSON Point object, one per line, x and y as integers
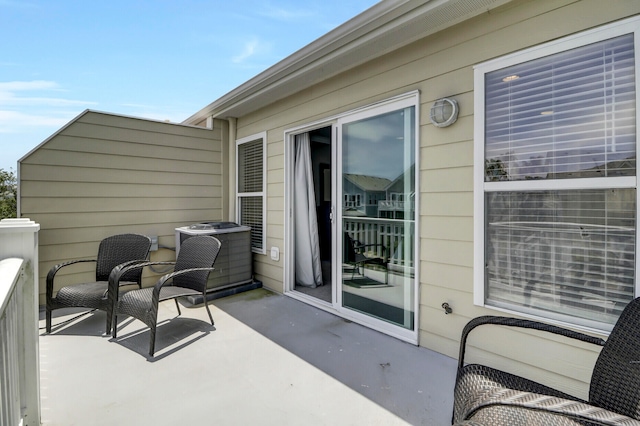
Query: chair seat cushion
{"type": "Point", "coordinates": [89, 295]}
{"type": "Point", "coordinates": [477, 383]}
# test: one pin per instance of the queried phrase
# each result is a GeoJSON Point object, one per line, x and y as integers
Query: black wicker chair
{"type": "Point", "coordinates": [355, 256]}
{"type": "Point", "coordinates": [189, 278]}
{"type": "Point", "coordinates": [484, 395]}
{"type": "Point", "coordinates": [112, 252]}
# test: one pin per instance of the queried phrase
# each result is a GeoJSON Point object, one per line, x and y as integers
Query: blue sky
{"type": "Point", "coordinates": [156, 59]}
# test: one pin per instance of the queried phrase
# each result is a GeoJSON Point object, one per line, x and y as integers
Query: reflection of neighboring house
{"type": "Point", "coordinates": [508, 167]}
{"type": "Point", "coordinates": [399, 198]}
{"type": "Point", "coordinates": [362, 194]}
{"type": "Point", "coordinates": [396, 205]}
{"type": "Point", "coordinates": [379, 197]}
{"type": "Point", "coordinates": [612, 168]}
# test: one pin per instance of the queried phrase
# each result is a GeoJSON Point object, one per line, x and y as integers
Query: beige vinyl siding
{"type": "Point", "coordinates": [105, 174]}
{"type": "Point", "coordinates": [442, 65]}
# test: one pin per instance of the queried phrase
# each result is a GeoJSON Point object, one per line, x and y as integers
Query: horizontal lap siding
{"type": "Point", "coordinates": [447, 192]}
{"type": "Point", "coordinates": [447, 195]}
{"type": "Point", "coordinates": [438, 66]}
{"type": "Point", "coordinates": [105, 174]}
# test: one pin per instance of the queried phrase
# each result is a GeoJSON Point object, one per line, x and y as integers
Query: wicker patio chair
{"type": "Point", "coordinates": [356, 256]}
{"type": "Point", "coordinates": [189, 278]}
{"type": "Point", "coordinates": [483, 393]}
{"type": "Point", "coordinates": [112, 252]}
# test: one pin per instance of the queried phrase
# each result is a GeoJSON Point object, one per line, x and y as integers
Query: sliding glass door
{"type": "Point", "coordinates": [376, 187]}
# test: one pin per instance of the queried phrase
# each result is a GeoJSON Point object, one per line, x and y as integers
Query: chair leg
{"type": "Point", "coordinates": [111, 311]}
{"type": "Point", "coordinates": [206, 305]}
{"type": "Point", "coordinates": [152, 321]}
{"type": "Point", "coordinates": [114, 326]}
{"type": "Point", "coordinates": [110, 316]}
{"type": "Point", "coordinates": [48, 315]}
{"type": "Point", "coordinates": [152, 341]}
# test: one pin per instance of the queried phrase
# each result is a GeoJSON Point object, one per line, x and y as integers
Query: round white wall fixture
{"type": "Point", "coordinates": [444, 112]}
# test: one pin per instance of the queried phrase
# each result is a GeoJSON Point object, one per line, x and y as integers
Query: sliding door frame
{"type": "Point", "coordinates": [399, 102]}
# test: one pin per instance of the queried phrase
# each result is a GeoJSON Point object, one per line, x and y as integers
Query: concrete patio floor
{"type": "Point", "coordinates": [269, 360]}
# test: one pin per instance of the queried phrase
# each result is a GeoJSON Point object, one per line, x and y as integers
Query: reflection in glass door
{"type": "Point", "coordinates": [377, 192]}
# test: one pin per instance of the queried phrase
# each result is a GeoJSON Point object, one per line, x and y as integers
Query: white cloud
{"type": "Point", "coordinates": [14, 121]}
{"type": "Point", "coordinates": [26, 106]}
{"type": "Point", "coordinates": [9, 100]}
{"type": "Point", "coordinates": [17, 86]}
{"type": "Point", "coordinates": [287, 14]}
{"type": "Point", "coordinates": [250, 49]}
{"type": "Point", "coordinates": [11, 94]}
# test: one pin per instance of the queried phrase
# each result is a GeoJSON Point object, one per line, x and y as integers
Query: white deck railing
{"type": "Point", "coordinates": [397, 236]}
{"type": "Point", "coordinates": [19, 357]}
{"type": "Point", "coordinates": [11, 340]}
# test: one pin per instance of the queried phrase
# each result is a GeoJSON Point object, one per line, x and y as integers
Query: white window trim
{"type": "Point", "coordinates": [623, 27]}
{"type": "Point", "coordinates": [263, 193]}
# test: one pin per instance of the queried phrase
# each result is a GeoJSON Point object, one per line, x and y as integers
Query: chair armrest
{"type": "Point", "coordinates": [162, 281]}
{"type": "Point", "coordinates": [114, 283]}
{"type": "Point", "coordinates": [117, 272]}
{"type": "Point", "coordinates": [165, 278]}
{"type": "Point", "coordinates": [120, 270]}
{"type": "Point", "coordinates": [54, 270]}
{"type": "Point", "coordinates": [357, 245]}
{"type": "Point", "coordinates": [520, 323]}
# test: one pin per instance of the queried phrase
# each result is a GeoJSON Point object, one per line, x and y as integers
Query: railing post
{"type": "Point", "coordinates": [19, 239]}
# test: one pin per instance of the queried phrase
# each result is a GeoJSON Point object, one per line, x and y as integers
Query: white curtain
{"type": "Point", "coordinates": [308, 266]}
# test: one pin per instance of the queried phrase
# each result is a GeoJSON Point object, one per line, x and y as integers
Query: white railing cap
{"type": "Point", "coordinates": [18, 225]}
{"type": "Point", "coordinates": [9, 274]}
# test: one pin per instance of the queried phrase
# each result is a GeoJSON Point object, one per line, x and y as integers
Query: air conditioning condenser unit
{"type": "Point", "coordinates": [234, 265]}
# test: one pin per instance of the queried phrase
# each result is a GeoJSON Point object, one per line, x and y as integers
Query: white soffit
{"type": "Point", "coordinates": [387, 26]}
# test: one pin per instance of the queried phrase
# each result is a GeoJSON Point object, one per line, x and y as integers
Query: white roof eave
{"type": "Point", "coordinates": [386, 26]}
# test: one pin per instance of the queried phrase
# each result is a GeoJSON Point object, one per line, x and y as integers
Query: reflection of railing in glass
{"type": "Point", "coordinates": [395, 205]}
{"type": "Point", "coordinates": [569, 267]}
{"type": "Point", "coordinates": [397, 236]}
{"type": "Point", "coordinates": [396, 210]}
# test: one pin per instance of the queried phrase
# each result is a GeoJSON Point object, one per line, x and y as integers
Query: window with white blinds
{"type": "Point", "coordinates": [559, 204]}
{"type": "Point", "coordinates": [250, 178]}
{"type": "Point", "coordinates": [568, 115]}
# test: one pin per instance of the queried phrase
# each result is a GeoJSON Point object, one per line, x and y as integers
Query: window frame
{"type": "Point", "coordinates": [624, 27]}
{"type": "Point", "coordinates": [263, 194]}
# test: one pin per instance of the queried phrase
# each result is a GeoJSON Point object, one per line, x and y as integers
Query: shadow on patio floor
{"type": "Point", "coordinates": [412, 382]}
{"type": "Point", "coordinates": [269, 360]}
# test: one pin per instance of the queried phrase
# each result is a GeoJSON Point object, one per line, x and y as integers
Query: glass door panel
{"type": "Point", "coordinates": [377, 192]}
